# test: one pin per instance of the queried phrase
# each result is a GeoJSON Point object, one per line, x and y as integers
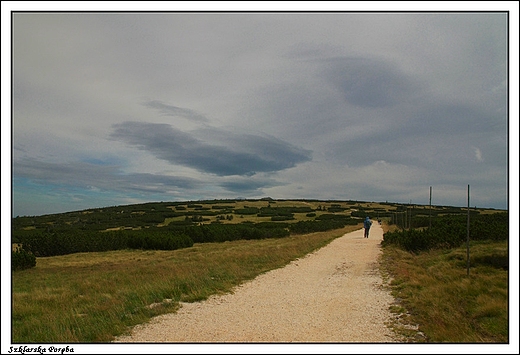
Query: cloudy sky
{"type": "Point", "coordinates": [122, 108]}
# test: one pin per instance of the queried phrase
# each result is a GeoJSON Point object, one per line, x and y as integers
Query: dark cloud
{"type": "Point", "coordinates": [102, 177]}
{"type": "Point", "coordinates": [248, 186]}
{"type": "Point", "coordinates": [450, 118]}
{"type": "Point", "coordinates": [231, 155]}
{"type": "Point", "coordinates": [441, 136]}
{"type": "Point", "coordinates": [170, 110]}
{"type": "Point", "coordinates": [369, 83]}
{"type": "Point", "coordinates": [99, 176]}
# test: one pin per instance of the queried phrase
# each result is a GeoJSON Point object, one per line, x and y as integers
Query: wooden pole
{"type": "Point", "coordinates": [430, 207]}
{"type": "Point", "coordinates": [410, 215]}
{"type": "Point", "coordinates": [467, 237]}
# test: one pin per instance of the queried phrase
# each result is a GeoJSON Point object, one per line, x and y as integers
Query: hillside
{"type": "Point", "coordinates": [160, 214]}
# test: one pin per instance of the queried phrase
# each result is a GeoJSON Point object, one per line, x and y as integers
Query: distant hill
{"type": "Point", "coordinates": [159, 214]}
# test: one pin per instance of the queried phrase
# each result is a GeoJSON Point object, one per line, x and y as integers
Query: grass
{"type": "Point", "coordinates": [93, 297]}
{"type": "Point", "coordinates": [439, 303]}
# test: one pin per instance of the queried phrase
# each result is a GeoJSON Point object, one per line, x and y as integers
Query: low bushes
{"type": "Point", "coordinates": [22, 259]}
{"type": "Point", "coordinates": [158, 241]}
{"type": "Point", "coordinates": [227, 232]}
{"type": "Point", "coordinates": [451, 231]}
{"type": "Point", "coordinates": [43, 244]}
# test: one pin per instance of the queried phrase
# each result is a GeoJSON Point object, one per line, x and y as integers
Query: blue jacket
{"type": "Point", "coordinates": [367, 222]}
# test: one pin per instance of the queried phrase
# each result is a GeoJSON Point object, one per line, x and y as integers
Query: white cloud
{"type": "Point", "coordinates": [478, 154]}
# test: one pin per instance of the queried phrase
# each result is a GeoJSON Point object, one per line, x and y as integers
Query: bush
{"type": "Point", "coordinates": [227, 232]}
{"type": "Point", "coordinates": [451, 231]}
{"type": "Point", "coordinates": [247, 210]}
{"type": "Point", "coordinates": [22, 259]}
{"type": "Point", "coordinates": [158, 240]}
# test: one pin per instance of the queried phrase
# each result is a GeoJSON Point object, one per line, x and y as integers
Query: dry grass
{"type": "Point", "coordinates": [435, 294]}
{"type": "Point", "coordinates": [92, 297]}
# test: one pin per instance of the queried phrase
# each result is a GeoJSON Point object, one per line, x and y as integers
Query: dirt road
{"type": "Point", "coordinates": [332, 295]}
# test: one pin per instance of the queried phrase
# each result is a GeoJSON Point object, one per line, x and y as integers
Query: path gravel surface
{"type": "Point", "coordinates": [333, 295]}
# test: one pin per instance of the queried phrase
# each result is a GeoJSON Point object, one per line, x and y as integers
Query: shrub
{"type": "Point", "coordinates": [158, 240]}
{"type": "Point", "coordinates": [247, 210]}
{"type": "Point", "coordinates": [451, 231]}
{"type": "Point", "coordinates": [22, 259]}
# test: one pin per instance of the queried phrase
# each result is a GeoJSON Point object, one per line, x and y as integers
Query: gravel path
{"type": "Point", "coordinates": [333, 295]}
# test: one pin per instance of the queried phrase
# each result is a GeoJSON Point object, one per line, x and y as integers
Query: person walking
{"type": "Point", "coordinates": [367, 223]}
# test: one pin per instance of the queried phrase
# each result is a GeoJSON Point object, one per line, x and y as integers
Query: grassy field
{"type": "Point", "coordinates": [92, 297]}
{"type": "Point", "coordinates": [436, 295]}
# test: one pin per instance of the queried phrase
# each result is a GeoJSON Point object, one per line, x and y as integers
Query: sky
{"type": "Point", "coordinates": [120, 108]}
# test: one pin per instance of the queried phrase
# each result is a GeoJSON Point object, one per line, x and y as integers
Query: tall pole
{"type": "Point", "coordinates": [430, 207]}
{"type": "Point", "coordinates": [467, 237]}
{"type": "Point", "coordinates": [410, 215]}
